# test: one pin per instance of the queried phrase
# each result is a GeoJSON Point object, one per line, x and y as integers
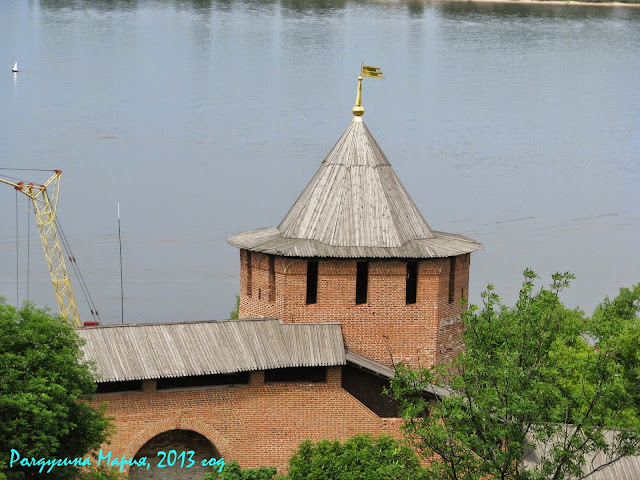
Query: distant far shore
{"type": "Point", "coordinates": [549, 2]}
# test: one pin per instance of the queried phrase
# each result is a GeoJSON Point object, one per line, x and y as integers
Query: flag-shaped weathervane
{"type": "Point", "coordinates": [373, 72]}
{"type": "Point", "coordinates": [365, 71]}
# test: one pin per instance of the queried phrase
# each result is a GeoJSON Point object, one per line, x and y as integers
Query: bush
{"type": "Point", "coordinates": [232, 471]}
{"type": "Point", "coordinates": [359, 458]}
{"type": "Point", "coordinates": [103, 473]}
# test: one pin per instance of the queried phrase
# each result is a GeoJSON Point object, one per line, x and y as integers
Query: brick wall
{"type": "Point", "coordinates": [449, 324]}
{"type": "Point", "coordinates": [382, 329]}
{"type": "Point", "coordinates": [257, 424]}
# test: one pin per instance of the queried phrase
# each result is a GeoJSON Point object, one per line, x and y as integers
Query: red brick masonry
{"type": "Point", "coordinates": [257, 424]}
{"type": "Point", "coordinates": [262, 424]}
{"type": "Point", "coordinates": [420, 334]}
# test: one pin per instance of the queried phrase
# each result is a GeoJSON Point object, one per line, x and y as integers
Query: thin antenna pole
{"type": "Point", "coordinates": [17, 259]}
{"type": "Point", "coordinates": [28, 246]}
{"type": "Point", "coordinates": [121, 282]}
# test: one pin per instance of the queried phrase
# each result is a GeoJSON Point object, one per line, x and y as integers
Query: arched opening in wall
{"type": "Point", "coordinates": [172, 465]}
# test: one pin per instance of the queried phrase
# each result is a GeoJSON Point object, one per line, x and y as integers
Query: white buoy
{"type": "Point", "coordinates": [15, 68]}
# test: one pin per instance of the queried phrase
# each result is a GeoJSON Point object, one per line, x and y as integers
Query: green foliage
{"type": "Point", "coordinates": [615, 326]}
{"type": "Point", "coordinates": [233, 314]}
{"type": "Point", "coordinates": [102, 473]}
{"type": "Point", "coordinates": [42, 378]}
{"type": "Point", "coordinates": [528, 374]}
{"type": "Point", "coordinates": [232, 471]}
{"type": "Point", "coordinates": [359, 458]}
{"type": "Point", "coordinates": [612, 314]}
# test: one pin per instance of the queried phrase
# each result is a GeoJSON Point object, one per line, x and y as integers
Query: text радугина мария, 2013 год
{"type": "Point", "coordinates": [171, 458]}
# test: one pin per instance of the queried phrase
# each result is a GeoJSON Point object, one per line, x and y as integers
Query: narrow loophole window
{"type": "Point", "coordinates": [249, 274]}
{"type": "Point", "coordinates": [272, 279]}
{"type": "Point", "coordinates": [312, 282]}
{"type": "Point", "coordinates": [362, 281]}
{"type": "Point", "coordinates": [412, 282]}
{"type": "Point", "coordinates": [452, 278]}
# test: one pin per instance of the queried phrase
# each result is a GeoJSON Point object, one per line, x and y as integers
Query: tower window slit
{"type": "Point", "coordinates": [249, 273]}
{"type": "Point", "coordinates": [312, 282]}
{"type": "Point", "coordinates": [272, 278]}
{"type": "Point", "coordinates": [452, 278]}
{"type": "Point", "coordinates": [412, 282]}
{"type": "Point", "coordinates": [362, 281]}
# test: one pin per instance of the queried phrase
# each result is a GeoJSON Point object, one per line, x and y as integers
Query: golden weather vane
{"type": "Point", "coordinates": [365, 71]}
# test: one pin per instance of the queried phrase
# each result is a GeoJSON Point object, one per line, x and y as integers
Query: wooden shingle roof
{"type": "Point", "coordinates": [355, 207]}
{"type": "Point", "coordinates": [165, 350]}
{"type": "Point", "coordinates": [626, 468]}
{"type": "Point", "coordinates": [385, 371]}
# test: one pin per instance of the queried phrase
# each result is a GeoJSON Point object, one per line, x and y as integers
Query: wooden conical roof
{"type": "Point", "coordinates": [355, 207]}
{"type": "Point", "coordinates": [355, 199]}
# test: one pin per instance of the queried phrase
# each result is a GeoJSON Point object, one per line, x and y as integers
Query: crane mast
{"type": "Point", "coordinates": [45, 200]}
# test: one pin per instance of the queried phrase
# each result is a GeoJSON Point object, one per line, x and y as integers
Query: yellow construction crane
{"type": "Point", "coordinates": [45, 200]}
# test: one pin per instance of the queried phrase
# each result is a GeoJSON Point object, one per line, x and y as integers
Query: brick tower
{"type": "Point", "coordinates": [355, 249]}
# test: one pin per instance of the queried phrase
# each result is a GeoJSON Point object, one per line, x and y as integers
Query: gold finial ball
{"type": "Point", "coordinates": [358, 109]}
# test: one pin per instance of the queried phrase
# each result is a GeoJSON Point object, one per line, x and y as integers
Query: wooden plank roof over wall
{"type": "Point", "coordinates": [355, 207]}
{"type": "Point", "coordinates": [384, 371]}
{"type": "Point", "coordinates": [627, 468]}
{"type": "Point", "coordinates": [162, 350]}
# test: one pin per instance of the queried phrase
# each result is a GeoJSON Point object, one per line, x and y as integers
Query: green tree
{"type": "Point", "coordinates": [42, 381]}
{"type": "Point", "coordinates": [359, 458]}
{"type": "Point", "coordinates": [232, 471]}
{"type": "Point", "coordinates": [102, 473]}
{"type": "Point", "coordinates": [615, 326]}
{"type": "Point", "coordinates": [530, 378]}
{"type": "Point", "coordinates": [233, 314]}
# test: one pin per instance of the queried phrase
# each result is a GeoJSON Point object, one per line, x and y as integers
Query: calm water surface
{"type": "Point", "coordinates": [518, 126]}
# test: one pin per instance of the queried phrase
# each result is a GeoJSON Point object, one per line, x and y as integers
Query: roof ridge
{"type": "Point", "coordinates": [200, 322]}
{"type": "Point", "coordinates": [186, 322]}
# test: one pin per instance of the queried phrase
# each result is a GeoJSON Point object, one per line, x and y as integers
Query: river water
{"type": "Point", "coordinates": [516, 125]}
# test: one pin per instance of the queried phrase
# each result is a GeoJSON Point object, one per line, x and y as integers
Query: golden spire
{"type": "Point", "coordinates": [365, 71]}
{"type": "Point", "coordinates": [358, 109]}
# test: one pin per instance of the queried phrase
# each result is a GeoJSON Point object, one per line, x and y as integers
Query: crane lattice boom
{"type": "Point", "coordinates": [45, 200]}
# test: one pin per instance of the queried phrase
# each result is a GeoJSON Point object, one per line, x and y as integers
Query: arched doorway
{"type": "Point", "coordinates": [173, 464]}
